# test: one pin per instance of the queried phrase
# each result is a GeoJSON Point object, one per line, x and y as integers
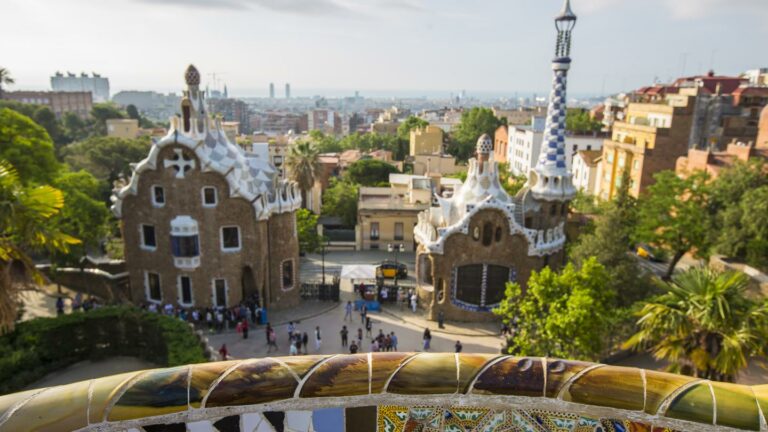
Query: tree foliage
{"type": "Point", "coordinates": [340, 200]}
{"type": "Point", "coordinates": [474, 123]}
{"type": "Point", "coordinates": [27, 146]}
{"type": "Point", "coordinates": [704, 325]}
{"type": "Point", "coordinates": [369, 172]}
{"type": "Point", "coordinates": [303, 163]}
{"type": "Point", "coordinates": [306, 223]}
{"type": "Point", "coordinates": [405, 128]}
{"type": "Point", "coordinates": [578, 121]}
{"type": "Point", "coordinates": [100, 113]}
{"type": "Point", "coordinates": [84, 215]}
{"type": "Point", "coordinates": [107, 158]}
{"type": "Point", "coordinates": [674, 216]}
{"type": "Point", "coordinates": [558, 314]}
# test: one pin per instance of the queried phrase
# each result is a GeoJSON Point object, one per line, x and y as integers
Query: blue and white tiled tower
{"type": "Point", "coordinates": [550, 179]}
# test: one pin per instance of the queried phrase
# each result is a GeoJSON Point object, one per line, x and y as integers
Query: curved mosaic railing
{"type": "Point", "coordinates": [390, 392]}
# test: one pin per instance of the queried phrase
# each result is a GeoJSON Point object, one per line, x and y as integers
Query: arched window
{"type": "Point", "coordinates": [487, 233]}
{"type": "Point", "coordinates": [498, 234]}
{"type": "Point", "coordinates": [480, 287]}
{"type": "Point", "coordinates": [425, 270]}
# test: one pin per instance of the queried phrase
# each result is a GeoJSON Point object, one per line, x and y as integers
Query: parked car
{"type": "Point", "coordinates": [647, 252]}
{"type": "Point", "coordinates": [391, 269]}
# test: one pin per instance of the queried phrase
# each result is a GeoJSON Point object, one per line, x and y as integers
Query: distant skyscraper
{"type": "Point", "coordinates": [287, 90]}
{"type": "Point", "coordinates": [97, 85]}
{"type": "Point", "coordinates": [271, 90]}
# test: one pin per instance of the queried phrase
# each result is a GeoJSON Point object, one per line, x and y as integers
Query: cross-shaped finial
{"type": "Point", "coordinates": [180, 162]}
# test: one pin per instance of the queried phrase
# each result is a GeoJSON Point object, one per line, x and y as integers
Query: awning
{"type": "Point", "coordinates": [358, 271]}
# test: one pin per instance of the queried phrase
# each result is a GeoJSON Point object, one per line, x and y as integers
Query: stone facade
{"type": "Point", "coordinates": [206, 224]}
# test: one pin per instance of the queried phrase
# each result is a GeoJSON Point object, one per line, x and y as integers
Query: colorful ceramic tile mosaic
{"type": "Point", "coordinates": [390, 392]}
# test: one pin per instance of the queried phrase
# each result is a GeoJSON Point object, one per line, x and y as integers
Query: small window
{"type": "Point", "coordinates": [553, 210]}
{"type": "Point", "coordinates": [374, 230]}
{"type": "Point", "coordinates": [398, 230]}
{"type": "Point", "coordinates": [498, 234]}
{"type": "Point", "coordinates": [220, 292]}
{"type": "Point", "coordinates": [287, 274]}
{"type": "Point", "coordinates": [148, 238]}
{"type": "Point", "coordinates": [209, 196]}
{"type": "Point", "coordinates": [152, 285]}
{"type": "Point", "coordinates": [487, 234]}
{"type": "Point", "coordinates": [185, 246]}
{"type": "Point", "coordinates": [230, 239]}
{"type": "Point", "coordinates": [158, 196]}
{"type": "Point", "coordinates": [185, 290]}
{"type": "Point", "coordinates": [476, 233]}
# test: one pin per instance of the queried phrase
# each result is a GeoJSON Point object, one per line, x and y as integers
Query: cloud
{"type": "Point", "coordinates": [297, 7]}
{"type": "Point", "coordinates": [682, 9]}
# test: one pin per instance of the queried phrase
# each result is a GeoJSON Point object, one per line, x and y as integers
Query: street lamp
{"type": "Point", "coordinates": [396, 248]}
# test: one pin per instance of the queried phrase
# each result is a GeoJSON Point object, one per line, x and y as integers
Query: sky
{"type": "Point", "coordinates": [378, 46]}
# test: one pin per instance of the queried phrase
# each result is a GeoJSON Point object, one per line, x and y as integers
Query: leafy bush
{"type": "Point", "coordinates": [43, 345]}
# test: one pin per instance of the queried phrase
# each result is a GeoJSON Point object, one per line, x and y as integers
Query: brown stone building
{"type": "Point", "coordinates": [762, 131]}
{"type": "Point", "coordinates": [205, 223]}
{"type": "Point", "coordinates": [59, 102]}
{"type": "Point", "coordinates": [501, 143]}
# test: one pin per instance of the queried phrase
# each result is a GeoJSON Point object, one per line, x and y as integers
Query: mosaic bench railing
{"type": "Point", "coordinates": [389, 392]}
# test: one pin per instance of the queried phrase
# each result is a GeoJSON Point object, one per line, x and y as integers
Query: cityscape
{"type": "Point", "coordinates": [290, 249]}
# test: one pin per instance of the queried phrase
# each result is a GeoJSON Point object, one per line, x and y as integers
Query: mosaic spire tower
{"type": "Point", "coordinates": [550, 179]}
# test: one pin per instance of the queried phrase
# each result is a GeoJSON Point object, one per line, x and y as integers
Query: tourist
{"type": "Point", "coordinates": [298, 341]}
{"type": "Point", "coordinates": [59, 306]}
{"type": "Point", "coordinates": [393, 336]}
{"type": "Point", "coordinates": [291, 329]}
{"type": "Point", "coordinates": [427, 339]}
{"type": "Point", "coordinates": [413, 302]}
{"type": "Point", "coordinates": [387, 343]}
{"type": "Point", "coordinates": [223, 352]}
{"type": "Point", "coordinates": [219, 320]}
{"type": "Point", "coordinates": [271, 340]}
{"type": "Point", "coordinates": [459, 346]}
{"type": "Point", "coordinates": [440, 320]}
{"type": "Point", "coordinates": [344, 332]}
{"type": "Point", "coordinates": [305, 341]}
{"type": "Point", "coordinates": [348, 311]}
{"type": "Point", "coordinates": [359, 336]}
{"type": "Point", "coordinates": [168, 309]}
{"type": "Point", "coordinates": [267, 331]}
{"type": "Point", "coordinates": [208, 319]}
{"type": "Point", "coordinates": [363, 312]}
{"type": "Point", "coordinates": [353, 348]}
{"type": "Point", "coordinates": [293, 350]}
{"type": "Point", "coordinates": [78, 302]}
{"type": "Point", "coordinates": [318, 339]}
{"type": "Point", "coordinates": [368, 327]}
{"type": "Point", "coordinates": [374, 345]}
{"type": "Point", "coordinates": [384, 295]}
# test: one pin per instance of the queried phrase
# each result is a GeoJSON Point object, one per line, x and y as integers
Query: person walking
{"type": "Point", "coordinates": [413, 302]}
{"type": "Point", "coordinates": [305, 340]}
{"type": "Point", "coordinates": [368, 327]}
{"type": "Point", "coordinates": [393, 336]}
{"type": "Point", "coordinates": [359, 336]}
{"type": "Point", "coordinates": [344, 332]}
{"type": "Point", "coordinates": [353, 348]}
{"type": "Point", "coordinates": [318, 339]}
{"type": "Point", "coordinates": [271, 340]}
{"type": "Point", "coordinates": [245, 328]}
{"type": "Point", "coordinates": [459, 346]}
{"type": "Point", "coordinates": [293, 350]}
{"type": "Point", "coordinates": [348, 311]}
{"type": "Point", "coordinates": [223, 352]}
{"type": "Point", "coordinates": [291, 329]}
{"type": "Point", "coordinates": [267, 331]}
{"type": "Point", "coordinates": [298, 341]}
{"type": "Point", "coordinates": [374, 345]}
{"type": "Point", "coordinates": [363, 312]}
{"type": "Point", "coordinates": [441, 320]}
{"type": "Point", "coordinates": [427, 338]}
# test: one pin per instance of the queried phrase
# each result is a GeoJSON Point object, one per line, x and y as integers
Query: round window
{"type": "Point", "coordinates": [476, 233]}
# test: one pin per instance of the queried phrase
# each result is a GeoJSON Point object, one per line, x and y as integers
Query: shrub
{"type": "Point", "coordinates": [43, 345]}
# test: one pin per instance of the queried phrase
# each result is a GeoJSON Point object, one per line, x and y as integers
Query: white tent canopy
{"type": "Point", "coordinates": [358, 271]}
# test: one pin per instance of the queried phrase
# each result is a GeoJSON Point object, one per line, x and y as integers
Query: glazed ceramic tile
{"type": "Point", "coordinates": [253, 382]}
{"type": "Point", "coordinates": [298, 421]}
{"type": "Point", "coordinates": [560, 371]}
{"type": "Point", "coordinates": [201, 426]}
{"type": "Point", "coordinates": [608, 386]}
{"type": "Point", "coordinates": [104, 389]}
{"type": "Point", "coordinates": [302, 364]}
{"type": "Point", "coordinates": [659, 386]}
{"type": "Point", "coordinates": [694, 404]}
{"type": "Point", "coordinates": [360, 419]}
{"type": "Point", "coordinates": [339, 376]}
{"type": "Point", "coordinates": [469, 366]}
{"type": "Point", "coordinates": [156, 392]}
{"type": "Point", "coordinates": [736, 406]}
{"type": "Point", "coordinates": [426, 374]}
{"type": "Point", "coordinates": [383, 366]}
{"type": "Point", "coordinates": [328, 420]}
{"type": "Point", "coordinates": [203, 375]}
{"type": "Point", "coordinates": [522, 376]}
{"type": "Point", "coordinates": [57, 408]}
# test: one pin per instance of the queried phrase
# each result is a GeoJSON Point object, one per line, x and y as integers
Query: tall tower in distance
{"type": "Point", "coordinates": [549, 180]}
{"type": "Point", "coordinates": [287, 90]}
{"type": "Point", "coordinates": [271, 90]}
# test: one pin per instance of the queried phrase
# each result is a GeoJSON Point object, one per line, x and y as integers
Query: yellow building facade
{"type": "Point", "coordinates": [650, 140]}
{"type": "Point", "coordinates": [123, 128]}
{"type": "Point", "coordinates": [426, 141]}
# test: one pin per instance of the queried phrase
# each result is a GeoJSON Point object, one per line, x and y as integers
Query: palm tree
{"type": "Point", "coordinates": [704, 325]}
{"type": "Point", "coordinates": [25, 225]}
{"type": "Point", "coordinates": [5, 78]}
{"type": "Point", "coordinates": [303, 162]}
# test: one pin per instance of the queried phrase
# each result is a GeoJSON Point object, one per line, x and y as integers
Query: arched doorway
{"type": "Point", "coordinates": [248, 283]}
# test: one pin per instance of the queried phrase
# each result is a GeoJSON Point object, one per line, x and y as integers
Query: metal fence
{"type": "Point", "coordinates": [318, 291]}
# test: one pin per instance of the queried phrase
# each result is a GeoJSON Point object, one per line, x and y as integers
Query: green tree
{"type": "Point", "coordinates": [405, 128]}
{"type": "Point", "coordinates": [132, 112]}
{"type": "Point", "coordinates": [303, 163]}
{"type": "Point", "coordinates": [474, 123]}
{"type": "Point", "coordinates": [579, 122]}
{"type": "Point", "coordinates": [674, 216]}
{"type": "Point", "coordinates": [107, 158]}
{"type": "Point", "coordinates": [744, 232]}
{"type": "Point", "coordinates": [556, 316]}
{"type": "Point", "coordinates": [340, 200]}
{"type": "Point", "coordinates": [101, 112]}
{"type": "Point", "coordinates": [511, 184]}
{"type": "Point", "coordinates": [85, 215]}
{"type": "Point", "coordinates": [5, 78]}
{"type": "Point", "coordinates": [610, 242]}
{"type": "Point", "coordinates": [25, 227]}
{"type": "Point", "coordinates": [369, 172]}
{"type": "Point", "coordinates": [306, 223]}
{"type": "Point", "coordinates": [704, 325]}
{"type": "Point", "coordinates": [47, 119]}
{"type": "Point", "coordinates": [27, 146]}
{"type": "Point", "coordinates": [324, 143]}
{"type": "Point", "coordinates": [76, 129]}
